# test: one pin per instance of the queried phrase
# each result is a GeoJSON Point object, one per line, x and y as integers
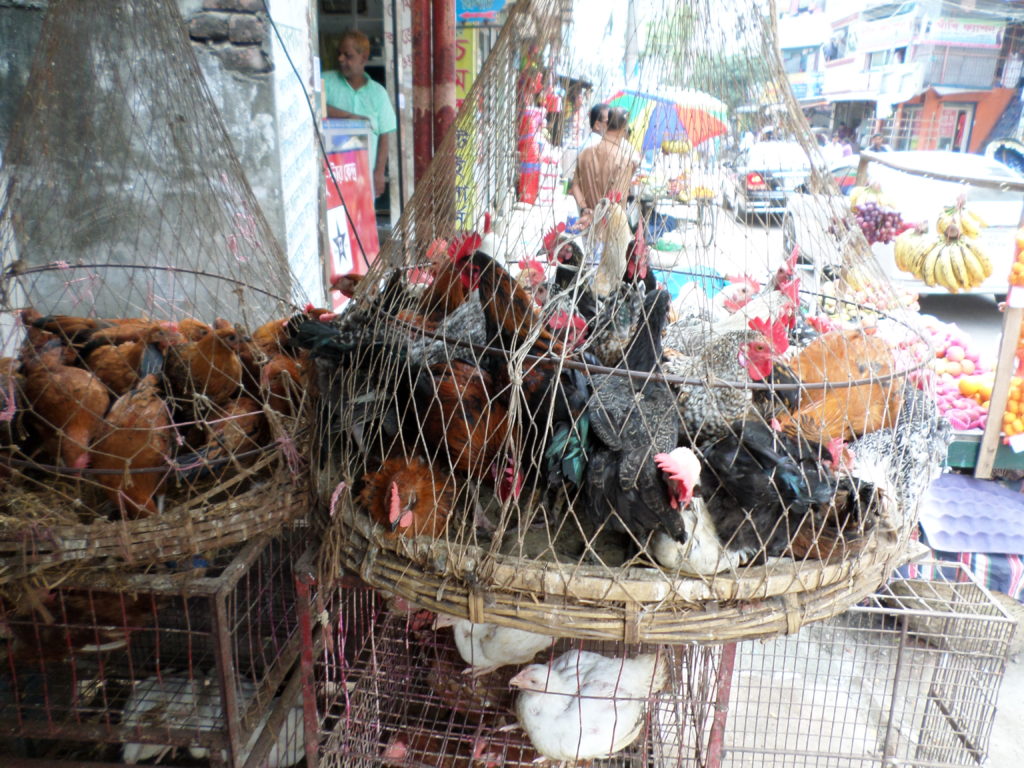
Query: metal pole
{"type": "Point", "coordinates": [723, 686]}
{"type": "Point", "coordinates": [422, 96]}
{"type": "Point", "coordinates": [443, 68]}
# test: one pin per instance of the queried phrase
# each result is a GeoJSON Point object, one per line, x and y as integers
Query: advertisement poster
{"type": "Point", "coordinates": [465, 63]}
{"type": "Point", "coordinates": [350, 220]}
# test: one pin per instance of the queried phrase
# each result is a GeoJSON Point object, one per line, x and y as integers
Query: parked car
{"type": "Point", "coordinates": [816, 222]}
{"type": "Point", "coordinates": [759, 179]}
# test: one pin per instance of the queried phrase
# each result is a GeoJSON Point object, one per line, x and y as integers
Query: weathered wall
{"type": "Point", "coordinates": [260, 99]}
{"type": "Point", "coordinates": [20, 23]}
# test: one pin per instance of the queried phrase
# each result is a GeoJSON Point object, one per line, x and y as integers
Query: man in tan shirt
{"type": "Point", "coordinates": [605, 168]}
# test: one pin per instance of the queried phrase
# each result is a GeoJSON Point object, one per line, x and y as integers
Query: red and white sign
{"type": "Point", "coordinates": [352, 224]}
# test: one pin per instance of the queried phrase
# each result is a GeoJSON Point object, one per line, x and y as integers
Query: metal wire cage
{"type": "Point", "coordinates": [180, 663]}
{"type": "Point", "coordinates": [909, 677]}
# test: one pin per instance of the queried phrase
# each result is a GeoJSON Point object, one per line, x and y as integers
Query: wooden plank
{"type": "Point", "coordinates": [1000, 392]}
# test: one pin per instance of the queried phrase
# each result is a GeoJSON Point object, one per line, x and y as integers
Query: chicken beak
{"type": "Point", "coordinates": [444, 620]}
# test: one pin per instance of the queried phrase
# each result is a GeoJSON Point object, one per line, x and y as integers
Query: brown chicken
{"type": "Point", "coordinates": [437, 749]}
{"type": "Point", "coordinates": [138, 438]}
{"type": "Point", "coordinates": [120, 366]}
{"type": "Point", "coordinates": [209, 367]}
{"type": "Point", "coordinates": [192, 329]}
{"type": "Point", "coordinates": [65, 406]}
{"type": "Point", "coordinates": [408, 497]}
{"type": "Point", "coordinates": [273, 337]}
{"type": "Point", "coordinates": [823, 415]}
{"type": "Point", "coordinates": [233, 435]}
{"type": "Point", "coordinates": [512, 320]}
{"type": "Point", "coordinates": [282, 381]}
{"type": "Point", "coordinates": [82, 330]}
{"type": "Point", "coordinates": [463, 425]}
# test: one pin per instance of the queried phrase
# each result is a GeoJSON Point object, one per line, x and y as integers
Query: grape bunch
{"type": "Point", "coordinates": [879, 224]}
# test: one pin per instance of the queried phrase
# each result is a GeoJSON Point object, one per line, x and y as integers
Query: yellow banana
{"type": "Point", "coordinates": [977, 262]}
{"type": "Point", "coordinates": [959, 269]}
{"type": "Point", "coordinates": [968, 225]}
{"type": "Point", "coordinates": [917, 267]}
{"type": "Point", "coordinates": [976, 219]}
{"type": "Point", "coordinates": [929, 264]}
{"type": "Point", "coordinates": [946, 219]}
{"type": "Point", "coordinates": [902, 248]}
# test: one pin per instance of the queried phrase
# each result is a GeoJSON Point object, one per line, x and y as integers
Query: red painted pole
{"type": "Point", "coordinates": [422, 90]}
{"type": "Point", "coordinates": [723, 684]}
{"type": "Point", "coordinates": [444, 68]}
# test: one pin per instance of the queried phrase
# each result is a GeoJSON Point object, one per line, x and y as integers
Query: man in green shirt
{"type": "Point", "coordinates": [350, 93]}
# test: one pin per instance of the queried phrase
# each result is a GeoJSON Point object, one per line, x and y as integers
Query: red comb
{"type": "Point", "coordinates": [551, 239]}
{"type": "Point", "coordinates": [464, 245]}
{"type": "Point", "coordinates": [774, 332]}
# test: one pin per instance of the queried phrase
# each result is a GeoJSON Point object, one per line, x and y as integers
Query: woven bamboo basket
{"type": "Point", "coordinates": [636, 605]}
{"type": "Point", "coordinates": [270, 497]}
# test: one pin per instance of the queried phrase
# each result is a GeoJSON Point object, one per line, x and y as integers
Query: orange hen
{"type": "Point", "coordinates": [408, 497]}
{"type": "Point", "coordinates": [843, 412]}
{"type": "Point", "coordinates": [209, 367]}
{"type": "Point", "coordinates": [65, 406]}
{"type": "Point", "coordinates": [120, 366]}
{"type": "Point", "coordinates": [138, 438]}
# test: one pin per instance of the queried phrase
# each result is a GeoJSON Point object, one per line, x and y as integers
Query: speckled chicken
{"type": "Point", "coordinates": [632, 420]}
{"type": "Point", "coordinates": [707, 407]}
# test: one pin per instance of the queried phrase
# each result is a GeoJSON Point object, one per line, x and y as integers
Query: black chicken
{"type": "Point", "coordinates": [632, 419]}
{"type": "Point", "coordinates": [758, 489]}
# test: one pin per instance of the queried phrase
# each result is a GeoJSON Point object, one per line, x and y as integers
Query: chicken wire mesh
{"type": "Point", "coordinates": [557, 440]}
{"type": "Point", "coordinates": [136, 262]}
{"type": "Point", "coordinates": [189, 661]}
{"type": "Point", "coordinates": [909, 677]}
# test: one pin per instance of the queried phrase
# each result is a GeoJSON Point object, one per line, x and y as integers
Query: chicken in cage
{"type": "Point", "coordinates": [908, 677]}
{"type": "Point", "coordinates": [194, 661]}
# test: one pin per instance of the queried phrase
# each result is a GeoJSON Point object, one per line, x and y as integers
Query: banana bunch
{"type": "Point", "coordinates": [870, 193]}
{"type": "Point", "coordinates": [909, 247]}
{"type": "Point", "coordinates": [960, 216]}
{"type": "Point", "coordinates": [951, 260]}
{"type": "Point", "coordinates": [675, 147]}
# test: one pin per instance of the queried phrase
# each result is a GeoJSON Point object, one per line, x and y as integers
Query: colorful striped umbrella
{"type": "Point", "coordinates": [671, 115]}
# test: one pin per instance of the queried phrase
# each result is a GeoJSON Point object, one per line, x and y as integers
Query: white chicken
{"type": "Point", "coordinates": [486, 647]}
{"type": "Point", "coordinates": [195, 705]}
{"type": "Point", "coordinates": [154, 702]}
{"type": "Point", "coordinates": [586, 706]}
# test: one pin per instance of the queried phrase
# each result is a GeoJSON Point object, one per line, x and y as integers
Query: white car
{"type": "Point", "coordinates": [817, 223]}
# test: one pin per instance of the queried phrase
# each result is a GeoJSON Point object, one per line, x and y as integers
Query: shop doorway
{"type": "Point", "coordinates": [955, 123]}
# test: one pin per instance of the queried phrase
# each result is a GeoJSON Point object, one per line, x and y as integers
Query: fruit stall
{"type": "Point", "coordinates": [948, 253]}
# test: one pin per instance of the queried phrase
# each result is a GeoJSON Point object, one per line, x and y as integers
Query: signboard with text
{"type": "Point", "coordinates": [350, 218]}
{"type": "Point", "coordinates": [465, 63]}
{"type": "Point", "coordinates": [967, 33]}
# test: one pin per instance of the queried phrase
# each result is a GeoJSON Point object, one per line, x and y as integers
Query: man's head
{"type": "Point", "coordinates": [877, 140]}
{"type": "Point", "coordinates": [353, 53]}
{"type": "Point", "coordinates": [618, 120]}
{"type": "Point", "coordinates": [599, 118]}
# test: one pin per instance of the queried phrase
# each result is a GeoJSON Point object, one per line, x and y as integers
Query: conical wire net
{"type": "Point", "coordinates": [149, 402]}
{"type": "Point", "coordinates": [531, 415]}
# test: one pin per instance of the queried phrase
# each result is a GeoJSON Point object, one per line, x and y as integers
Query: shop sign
{"type": "Point", "coordinates": [967, 33]}
{"type": "Point", "coordinates": [351, 221]}
{"type": "Point", "coordinates": [477, 11]}
{"type": "Point", "coordinates": [870, 36]}
{"type": "Point", "coordinates": [465, 63]}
